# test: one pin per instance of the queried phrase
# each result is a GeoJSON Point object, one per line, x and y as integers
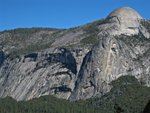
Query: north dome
{"type": "Point", "coordinates": [125, 13]}
{"type": "Point", "coordinates": [123, 20]}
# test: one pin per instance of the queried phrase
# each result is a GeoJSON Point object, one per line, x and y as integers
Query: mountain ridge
{"type": "Point", "coordinates": [76, 63]}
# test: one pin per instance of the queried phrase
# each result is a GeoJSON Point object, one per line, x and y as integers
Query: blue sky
{"type": "Point", "coordinates": [61, 13]}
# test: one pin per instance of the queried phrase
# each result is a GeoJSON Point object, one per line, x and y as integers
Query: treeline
{"type": "Point", "coordinates": [91, 31]}
{"type": "Point", "coordinates": [46, 104]}
{"type": "Point", "coordinates": [29, 49]}
{"type": "Point", "coordinates": [29, 30]}
{"type": "Point", "coordinates": [126, 96]}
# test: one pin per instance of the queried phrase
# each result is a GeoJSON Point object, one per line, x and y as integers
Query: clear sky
{"type": "Point", "coordinates": [62, 13]}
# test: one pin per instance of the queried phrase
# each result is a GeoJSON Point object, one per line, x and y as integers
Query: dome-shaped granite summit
{"type": "Point", "coordinates": [124, 20]}
{"type": "Point", "coordinates": [125, 13]}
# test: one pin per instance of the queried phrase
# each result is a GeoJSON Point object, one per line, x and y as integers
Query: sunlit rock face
{"type": "Point", "coordinates": [114, 57]}
{"type": "Point", "coordinates": [124, 20]}
{"type": "Point", "coordinates": [125, 14]}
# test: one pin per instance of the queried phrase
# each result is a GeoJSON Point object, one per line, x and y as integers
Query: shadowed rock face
{"type": "Point", "coordinates": [79, 72]}
{"type": "Point", "coordinates": [1, 57]}
{"type": "Point", "coordinates": [147, 108]}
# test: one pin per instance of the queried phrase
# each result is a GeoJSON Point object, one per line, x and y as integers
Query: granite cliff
{"type": "Point", "coordinates": [76, 63]}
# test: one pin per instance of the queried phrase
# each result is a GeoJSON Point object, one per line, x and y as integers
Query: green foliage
{"type": "Point", "coordinates": [133, 41]}
{"type": "Point", "coordinates": [26, 40]}
{"type": "Point", "coordinates": [45, 104]}
{"type": "Point", "coordinates": [126, 96]}
{"type": "Point", "coordinates": [93, 27]}
{"type": "Point", "coordinates": [118, 109]}
{"type": "Point", "coordinates": [90, 40]}
{"type": "Point", "coordinates": [29, 49]}
{"type": "Point", "coordinates": [28, 31]}
{"type": "Point", "coordinates": [146, 24]}
{"type": "Point", "coordinates": [147, 108]}
{"type": "Point", "coordinates": [129, 95]}
{"type": "Point", "coordinates": [91, 31]}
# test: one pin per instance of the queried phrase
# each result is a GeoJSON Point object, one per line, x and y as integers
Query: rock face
{"type": "Point", "coordinates": [80, 72]}
{"type": "Point", "coordinates": [52, 72]}
{"type": "Point", "coordinates": [1, 57]}
{"type": "Point", "coordinates": [107, 61]}
{"type": "Point", "coordinates": [124, 20]}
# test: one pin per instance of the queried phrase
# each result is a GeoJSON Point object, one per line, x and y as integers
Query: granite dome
{"type": "Point", "coordinates": [125, 21]}
{"type": "Point", "coordinates": [125, 13]}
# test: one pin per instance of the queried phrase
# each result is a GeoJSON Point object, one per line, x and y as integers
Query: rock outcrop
{"type": "Point", "coordinates": [107, 61]}
{"type": "Point", "coordinates": [51, 72]}
{"type": "Point", "coordinates": [83, 72]}
{"type": "Point", "coordinates": [124, 20]}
